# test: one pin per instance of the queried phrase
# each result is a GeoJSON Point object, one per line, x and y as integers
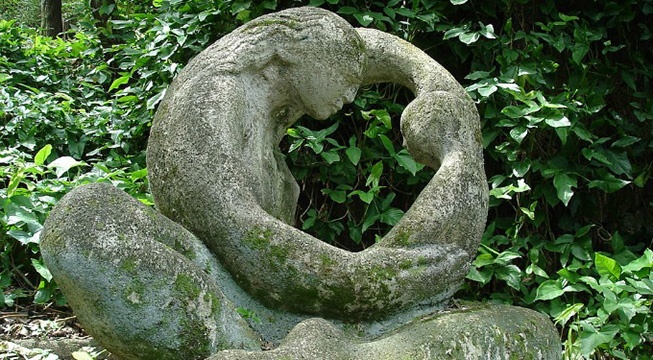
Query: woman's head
{"type": "Point", "coordinates": [318, 55]}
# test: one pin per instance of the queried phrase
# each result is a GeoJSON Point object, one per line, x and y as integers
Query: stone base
{"type": "Point", "coordinates": [478, 331]}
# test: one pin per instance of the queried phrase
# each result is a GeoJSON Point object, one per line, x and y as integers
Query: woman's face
{"type": "Point", "coordinates": [325, 84]}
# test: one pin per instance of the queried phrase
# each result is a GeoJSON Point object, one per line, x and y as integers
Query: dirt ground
{"type": "Point", "coordinates": [38, 332]}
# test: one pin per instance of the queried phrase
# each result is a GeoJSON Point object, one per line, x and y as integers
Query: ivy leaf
{"type": "Point", "coordinates": [579, 52]}
{"type": "Point", "coordinates": [406, 161]}
{"type": "Point", "coordinates": [42, 270]}
{"type": "Point", "coordinates": [339, 196]}
{"type": "Point", "coordinates": [365, 196]}
{"type": "Point", "coordinates": [119, 81]}
{"type": "Point", "coordinates": [626, 141]}
{"type": "Point", "coordinates": [387, 144]}
{"type": "Point", "coordinates": [154, 100]}
{"type": "Point", "coordinates": [42, 155]}
{"type": "Point", "coordinates": [519, 133]}
{"type": "Point", "coordinates": [563, 184]}
{"type": "Point", "coordinates": [505, 257]}
{"type": "Point", "coordinates": [617, 161]}
{"type": "Point", "coordinates": [487, 31]}
{"type": "Point", "coordinates": [345, 10]}
{"type": "Point", "coordinates": [645, 261]}
{"type": "Point", "coordinates": [81, 355]}
{"type": "Point", "coordinates": [590, 338]}
{"type": "Point", "coordinates": [606, 266]}
{"type": "Point", "coordinates": [609, 183]}
{"type": "Point", "coordinates": [63, 164]}
{"type": "Point", "coordinates": [487, 90]}
{"type": "Point", "coordinates": [568, 313]}
{"type": "Point", "coordinates": [354, 154]}
{"type": "Point", "coordinates": [391, 216]}
{"type": "Point", "coordinates": [375, 174]}
{"type": "Point", "coordinates": [556, 123]}
{"type": "Point", "coordinates": [405, 12]}
{"type": "Point", "coordinates": [24, 237]}
{"type": "Point", "coordinates": [484, 276]}
{"type": "Point", "coordinates": [452, 33]}
{"type": "Point", "coordinates": [369, 221]}
{"type": "Point", "coordinates": [330, 157]}
{"type": "Point", "coordinates": [469, 38]}
{"type": "Point", "coordinates": [511, 274]}
{"type": "Point", "coordinates": [548, 290]}
{"type": "Point", "coordinates": [364, 19]}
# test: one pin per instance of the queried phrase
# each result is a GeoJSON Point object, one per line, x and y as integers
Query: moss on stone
{"type": "Point", "coordinates": [378, 272]}
{"type": "Point", "coordinates": [422, 261]}
{"type": "Point", "coordinates": [194, 337]}
{"type": "Point", "coordinates": [326, 260]}
{"type": "Point", "coordinates": [401, 239]}
{"type": "Point", "coordinates": [258, 239]}
{"type": "Point", "coordinates": [418, 270]}
{"type": "Point", "coordinates": [134, 292]}
{"type": "Point", "coordinates": [341, 295]}
{"type": "Point", "coordinates": [185, 285]}
{"type": "Point", "coordinates": [279, 253]}
{"type": "Point", "coordinates": [129, 265]}
{"type": "Point", "coordinates": [216, 305]}
{"type": "Point", "coordinates": [181, 248]}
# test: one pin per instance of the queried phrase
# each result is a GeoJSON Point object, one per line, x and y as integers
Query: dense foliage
{"type": "Point", "coordinates": [564, 92]}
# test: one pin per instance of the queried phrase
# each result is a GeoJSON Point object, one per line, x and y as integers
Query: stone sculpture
{"type": "Point", "coordinates": [174, 284]}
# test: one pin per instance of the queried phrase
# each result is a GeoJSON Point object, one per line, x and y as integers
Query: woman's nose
{"type": "Point", "coordinates": [350, 95]}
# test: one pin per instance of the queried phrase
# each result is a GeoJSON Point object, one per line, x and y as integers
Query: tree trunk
{"type": "Point", "coordinates": [51, 20]}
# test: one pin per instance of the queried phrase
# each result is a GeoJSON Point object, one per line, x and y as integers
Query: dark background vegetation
{"type": "Point", "coordinates": [565, 95]}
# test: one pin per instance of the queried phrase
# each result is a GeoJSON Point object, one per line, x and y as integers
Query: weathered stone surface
{"type": "Point", "coordinates": [147, 286]}
{"type": "Point", "coordinates": [233, 190]}
{"type": "Point", "coordinates": [138, 282]}
{"type": "Point", "coordinates": [491, 332]}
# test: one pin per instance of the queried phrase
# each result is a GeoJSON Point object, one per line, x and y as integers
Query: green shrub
{"type": "Point", "coordinates": [564, 92]}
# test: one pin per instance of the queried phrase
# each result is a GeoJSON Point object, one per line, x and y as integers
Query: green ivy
{"type": "Point", "coordinates": [564, 93]}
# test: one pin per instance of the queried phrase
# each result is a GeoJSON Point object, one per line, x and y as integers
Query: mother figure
{"type": "Point", "coordinates": [216, 169]}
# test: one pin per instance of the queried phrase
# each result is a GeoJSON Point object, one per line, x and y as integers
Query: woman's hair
{"type": "Point", "coordinates": [283, 36]}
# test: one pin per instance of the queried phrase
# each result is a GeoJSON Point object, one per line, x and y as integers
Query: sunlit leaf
{"type": "Point", "coordinates": [81, 355]}
{"type": "Point", "coordinates": [469, 37]}
{"type": "Point", "coordinates": [568, 313]}
{"type": "Point", "coordinates": [119, 81]}
{"type": "Point", "coordinates": [559, 122]}
{"type": "Point", "coordinates": [606, 266]}
{"type": "Point", "coordinates": [42, 155]}
{"type": "Point", "coordinates": [63, 164]}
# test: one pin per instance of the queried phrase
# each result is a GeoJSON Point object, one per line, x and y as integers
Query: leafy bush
{"type": "Point", "coordinates": [564, 92]}
{"type": "Point", "coordinates": [59, 131]}
{"type": "Point", "coordinates": [357, 181]}
{"type": "Point", "coordinates": [26, 12]}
